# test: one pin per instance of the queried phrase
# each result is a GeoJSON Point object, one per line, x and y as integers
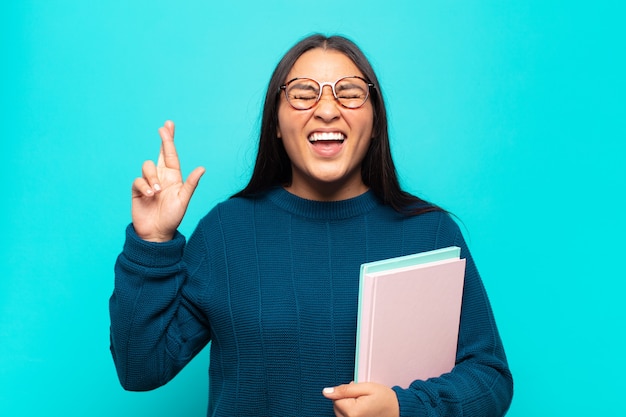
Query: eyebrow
{"type": "Point", "coordinates": [345, 86]}
{"type": "Point", "coordinates": [304, 85]}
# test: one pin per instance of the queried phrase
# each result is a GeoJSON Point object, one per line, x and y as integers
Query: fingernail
{"type": "Point", "coordinates": [329, 390]}
{"type": "Point", "coordinates": [157, 187]}
{"type": "Point", "coordinates": [149, 191]}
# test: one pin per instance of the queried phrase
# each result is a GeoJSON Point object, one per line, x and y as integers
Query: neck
{"type": "Point", "coordinates": [327, 191]}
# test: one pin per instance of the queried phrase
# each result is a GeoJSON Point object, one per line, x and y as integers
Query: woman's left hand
{"type": "Point", "coordinates": [363, 399]}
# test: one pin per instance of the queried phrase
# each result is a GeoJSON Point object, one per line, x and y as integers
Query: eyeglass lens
{"type": "Point", "coordinates": [303, 93]}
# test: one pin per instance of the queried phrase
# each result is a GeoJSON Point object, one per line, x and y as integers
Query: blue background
{"type": "Point", "coordinates": [509, 114]}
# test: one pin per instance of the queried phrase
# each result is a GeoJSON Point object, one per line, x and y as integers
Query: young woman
{"type": "Point", "coordinates": [270, 276]}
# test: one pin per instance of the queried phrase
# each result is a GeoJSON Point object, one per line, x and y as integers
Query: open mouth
{"type": "Point", "coordinates": [327, 137]}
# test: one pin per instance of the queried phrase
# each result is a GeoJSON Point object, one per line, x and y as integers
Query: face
{"type": "Point", "coordinates": [327, 143]}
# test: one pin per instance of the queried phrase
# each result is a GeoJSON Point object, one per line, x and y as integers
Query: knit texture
{"type": "Point", "coordinates": [272, 283]}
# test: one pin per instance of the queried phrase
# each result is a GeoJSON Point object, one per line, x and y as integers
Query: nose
{"type": "Point", "coordinates": [327, 108]}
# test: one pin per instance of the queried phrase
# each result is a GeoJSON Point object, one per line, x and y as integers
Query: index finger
{"type": "Point", "coordinates": [168, 157]}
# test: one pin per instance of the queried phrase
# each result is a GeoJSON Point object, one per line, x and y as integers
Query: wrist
{"type": "Point", "coordinates": [156, 238]}
{"type": "Point", "coordinates": [152, 235]}
{"type": "Point", "coordinates": [153, 254]}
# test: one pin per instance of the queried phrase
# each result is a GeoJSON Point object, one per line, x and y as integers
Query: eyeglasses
{"type": "Point", "coordinates": [304, 93]}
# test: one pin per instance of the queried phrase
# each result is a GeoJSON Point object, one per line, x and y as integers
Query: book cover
{"type": "Point", "coordinates": [409, 313]}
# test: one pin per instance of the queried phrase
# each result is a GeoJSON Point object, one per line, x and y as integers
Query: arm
{"type": "Point", "coordinates": [154, 328]}
{"type": "Point", "coordinates": [480, 383]}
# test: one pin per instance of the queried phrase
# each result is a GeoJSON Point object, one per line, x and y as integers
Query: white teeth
{"type": "Point", "coordinates": [315, 136]}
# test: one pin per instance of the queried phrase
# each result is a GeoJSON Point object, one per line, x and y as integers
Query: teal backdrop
{"type": "Point", "coordinates": [509, 114]}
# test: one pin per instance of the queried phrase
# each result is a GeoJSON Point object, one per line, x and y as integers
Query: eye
{"type": "Point", "coordinates": [351, 89]}
{"type": "Point", "coordinates": [302, 95]}
{"type": "Point", "coordinates": [303, 89]}
{"type": "Point", "coordinates": [352, 94]}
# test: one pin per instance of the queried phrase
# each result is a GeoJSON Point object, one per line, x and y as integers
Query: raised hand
{"type": "Point", "coordinates": [160, 197]}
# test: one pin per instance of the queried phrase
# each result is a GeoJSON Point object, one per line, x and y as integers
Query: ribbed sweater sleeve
{"type": "Point", "coordinates": [155, 331]}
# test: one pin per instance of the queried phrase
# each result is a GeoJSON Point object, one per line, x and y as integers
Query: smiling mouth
{"type": "Point", "coordinates": [327, 137]}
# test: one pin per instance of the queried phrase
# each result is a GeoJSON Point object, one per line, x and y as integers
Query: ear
{"type": "Point", "coordinates": [278, 134]}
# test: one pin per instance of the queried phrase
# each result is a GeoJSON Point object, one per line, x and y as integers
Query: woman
{"type": "Point", "coordinates": [270, 276]}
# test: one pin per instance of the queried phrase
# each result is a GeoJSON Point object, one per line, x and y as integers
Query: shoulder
{"type": "Point", "coordinates": [436, 217]}
{"type": "Point", "coordinates": [236, 210]}
{"type": "Point", "coordinates": [437, 226]}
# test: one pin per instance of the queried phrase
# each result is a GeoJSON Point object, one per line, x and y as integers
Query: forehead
{"type": "Point", "coordinates": [323, 65]}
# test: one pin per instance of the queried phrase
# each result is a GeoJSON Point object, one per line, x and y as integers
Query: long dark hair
{"type": "Point", "coordinates": [273, 167]}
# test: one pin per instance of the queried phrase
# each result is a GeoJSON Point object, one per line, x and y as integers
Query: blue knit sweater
{"type": "Point", "coordinates": [272, 283]}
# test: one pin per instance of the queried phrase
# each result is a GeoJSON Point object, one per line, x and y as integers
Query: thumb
{"type": "Point", "coordinates": [350, 390]}
{"type": "Point", "coordinates": [191, 183]}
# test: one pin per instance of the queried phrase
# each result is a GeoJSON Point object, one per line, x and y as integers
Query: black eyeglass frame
{"type": "Point", "coordinates": [370, 85]}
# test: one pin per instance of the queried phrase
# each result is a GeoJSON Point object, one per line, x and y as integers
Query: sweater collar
{"type": "Point", "coordinates": [323, 210]}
